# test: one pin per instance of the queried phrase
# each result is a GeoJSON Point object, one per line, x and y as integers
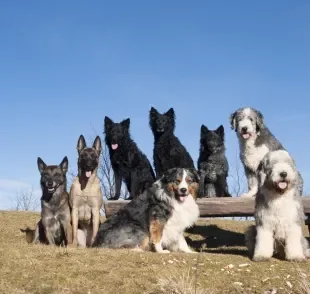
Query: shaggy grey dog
{"type": "Point", "coordinates": [279, 214]}
{"type": "Point", "coordinates": [255, 141]}
{"type": "Point", "coordinates": [212, 163]}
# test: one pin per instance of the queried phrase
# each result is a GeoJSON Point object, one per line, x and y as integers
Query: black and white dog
{"type": "Point", "coordinates": [255, 141]}
{"type": "Point", "coordinates": [156, 218]}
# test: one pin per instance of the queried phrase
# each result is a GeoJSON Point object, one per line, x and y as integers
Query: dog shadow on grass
{"type": "Point", "coordinates": [213, 239]}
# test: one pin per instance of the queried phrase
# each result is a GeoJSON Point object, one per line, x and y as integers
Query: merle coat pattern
{"type": "Point", "coordinates": [128, 162]}
{"type": "Point", "coordinates": [212, 164]}
{"type": "Point", "coordinates": [157, 218]}
{"type": "Point", "coordinates": [168, 151]}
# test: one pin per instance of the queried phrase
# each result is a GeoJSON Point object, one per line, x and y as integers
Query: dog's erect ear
{"type": "Point", "coordinates": [41, 165]}
{"type": "Point", "coordinates": [259, 120]}
{"type": "Point", "coordinates": [220, 131]}
{"type": "Point", "coordinates": [81, 144]}
{"type": "Point", "coordinates": [97, 144]}
{"type": "Point", "coordinates": [195, 174]}
{"type": "Point", "coordinates": [153, 112]}
{"type": "Point", "coordinates": [107, 122]}
{"type": "Point", "coordinates": [203, 129]}
{"type": "Point", "coordinates": [126, 123]}
{"type": "Point", "coordinates": [64, 164]}
{"type": "Point", "coordinates": [170, 113]}
{"type": "Point", "coordinates": [232, 120]}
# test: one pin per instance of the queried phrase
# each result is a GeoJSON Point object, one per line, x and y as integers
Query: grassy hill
{"type": "Point", "coordinates": [222, 267]}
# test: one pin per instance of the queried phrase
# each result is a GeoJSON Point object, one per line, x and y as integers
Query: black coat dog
{"type": "Point", "coordinates": [212, 163]}
{"type": "Point", "coordinates": [128, 162]}
{"type": "Point", "coordinates": [168, 151]}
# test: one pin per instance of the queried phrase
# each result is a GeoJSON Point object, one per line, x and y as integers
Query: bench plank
{"type": "Point", "coordinates": [211, 207]}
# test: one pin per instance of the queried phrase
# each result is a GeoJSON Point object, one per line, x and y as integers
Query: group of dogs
{"type": "Point", "coordinates": [163, 204]}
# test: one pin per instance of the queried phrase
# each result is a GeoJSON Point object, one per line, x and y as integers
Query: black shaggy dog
{"type": "Point", "coordinates": [212, 163]}
{"type": "Point", "coordinates": [128, 162]}
{"type": "Point", "coordinates": [168, 151]}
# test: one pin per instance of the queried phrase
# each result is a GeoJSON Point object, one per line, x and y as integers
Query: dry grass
{"type": "Point", "coordinates": [26, 268]}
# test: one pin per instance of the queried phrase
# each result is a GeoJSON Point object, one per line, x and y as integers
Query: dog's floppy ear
{"type": "Point", "coordinates": [220, 131]}
{"type": "Point", "coordinates": [203, 129]}
{"type": "Point", "coordinates": [232, 120]}
{"type": "Point", "coordinates": [126, 123]}
{"type": "Point", "coordinates": [171, 113]}
{"type": "Point", "coordinates": [81, 144]}
{"type": "Point", "coordinates": [97, 144]}
{"type": "Point", "coordinates": [41, 165]}
{"type": "Point", "coordinates": [64, 164]}
{"type": "Point", "coordinates": [107, 123]}
{"type": "Point", "coordinates": [259, 120]}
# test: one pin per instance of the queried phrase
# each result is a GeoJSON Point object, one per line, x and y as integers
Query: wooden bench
{"type": "Point", "coordinates": [215, 207]}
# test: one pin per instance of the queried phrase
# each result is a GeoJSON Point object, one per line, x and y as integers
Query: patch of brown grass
{"type": "Point", "coordinates": [27, 268]}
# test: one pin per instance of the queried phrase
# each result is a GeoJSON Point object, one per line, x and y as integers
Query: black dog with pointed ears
{"type": "Point", "coordinates": [128, 161]}
{"type": "Point", "coordinates": [212, 163]}
{"type": "Point", "coordinates": [168, 151]}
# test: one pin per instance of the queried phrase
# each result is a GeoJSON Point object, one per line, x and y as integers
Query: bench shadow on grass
{"type": "Point", "coordinates": [216, 240]}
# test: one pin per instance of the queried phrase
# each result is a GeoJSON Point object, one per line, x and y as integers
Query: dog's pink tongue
{"type": "Point", "coordinates": [88, 174]}
{"type": "Point", "coordinates": [282, 185]}
{"type": "Point", "coordinates": [246, 136]}
{"type": "Point", "coordinates": [182, 198]}
{"type": "Point", "coordinates": [114, 146]}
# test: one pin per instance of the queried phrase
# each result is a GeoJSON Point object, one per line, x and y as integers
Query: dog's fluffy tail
{"type": "Point", "coordinates": [30, 234]}
{"type": "Point", "coordinates": [250, 237]}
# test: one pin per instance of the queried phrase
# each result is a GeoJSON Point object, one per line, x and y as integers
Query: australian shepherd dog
{"type": "Point", "coordinates": [157, 218]}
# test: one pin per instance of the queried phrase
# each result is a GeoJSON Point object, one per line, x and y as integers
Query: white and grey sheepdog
{"type": "Point", "coordinates": [279, 213]}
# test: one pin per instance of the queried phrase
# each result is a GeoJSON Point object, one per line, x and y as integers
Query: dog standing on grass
{"type": "Point", "coordinates": [279, 214]}
{"type": "Point", "coordinates": [54, 227]}
{"type": "Point", "coordinates": [85, 194]}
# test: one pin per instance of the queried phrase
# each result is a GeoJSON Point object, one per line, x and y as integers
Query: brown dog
{"type": "Point", "coordinates": [85, 193]}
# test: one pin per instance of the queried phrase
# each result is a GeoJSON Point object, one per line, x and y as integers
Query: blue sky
{"type": "Point", "coordinates": [67, 64]}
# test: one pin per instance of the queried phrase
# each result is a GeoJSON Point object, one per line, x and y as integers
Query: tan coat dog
{"type": "Point", "coordinates": [85, 194]}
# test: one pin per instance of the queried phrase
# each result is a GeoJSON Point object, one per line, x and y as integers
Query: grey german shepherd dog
{"type": "Point", "coordinates": [54, 227]}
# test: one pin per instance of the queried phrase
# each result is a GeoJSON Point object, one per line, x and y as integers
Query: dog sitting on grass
{"type": "Point", "coordinates": [157, 218]}
{"type": "Point", "coordinates": [54, 227]}
{"type": "Point", "coordinates": [279, 214]}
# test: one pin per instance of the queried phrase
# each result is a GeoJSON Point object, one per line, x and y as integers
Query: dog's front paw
{"type": "Point", "coordinates": [260, 258]}
{"type": "Point", "coordinates": [247, 195]}
{"type": "Point", "coordinates": [300, 258]}
{"type": "Point", "coordinates": [163, 251]}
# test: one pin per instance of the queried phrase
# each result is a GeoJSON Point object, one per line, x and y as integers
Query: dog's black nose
{"type": "Point", "coordinates": [50, 183]}
{"type": "Point", "coordinates": [244, 129]}
{"type": "Point", "coordinates": [183, 190]}
{"type": "Point", "coordinates": [283, 174]}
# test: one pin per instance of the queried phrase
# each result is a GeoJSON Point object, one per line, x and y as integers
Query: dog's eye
{"type": "Point", "coordinates": [251, 119]}
{"type": "Point", "coordinates": [58, 175]}
{"type": "Point", "coordinates": [177, 181]}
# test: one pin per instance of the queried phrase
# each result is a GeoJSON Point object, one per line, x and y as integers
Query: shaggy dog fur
{"type": "Point", "coordinates": [255, 141]}
{"type": "Point", "coordinates": [128, 162]}
{"type": "Point", "coordinates": [157, 217]}
{"type": "Point", "coordinates": [168, 151]}
{"type": "Point", "coordinates": [212, 163]}
{"type": "Point", "coordinates": [279, 214]}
